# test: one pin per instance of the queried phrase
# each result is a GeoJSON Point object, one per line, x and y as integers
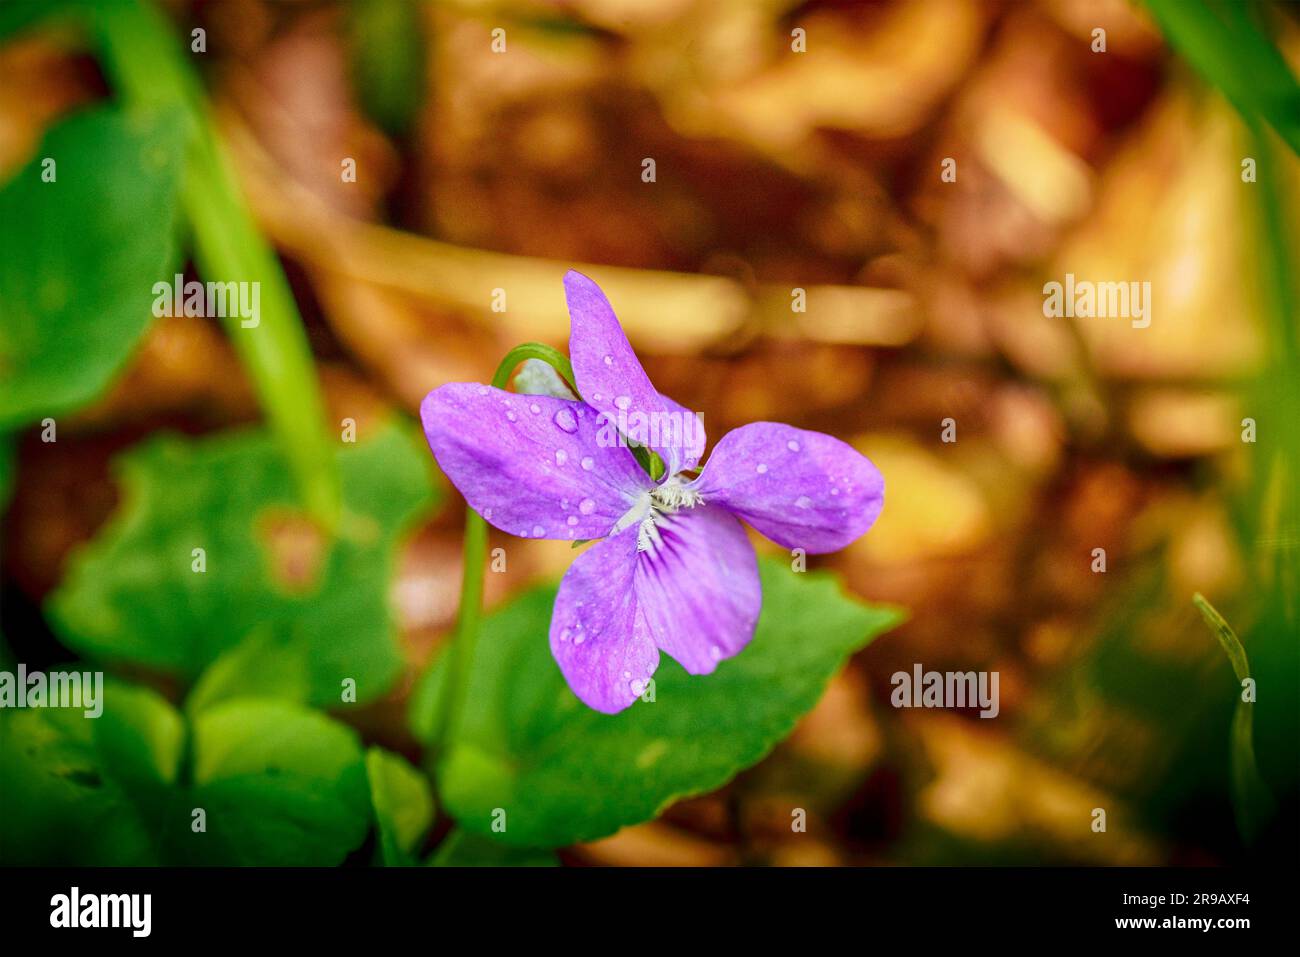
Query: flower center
{"type": "Point", "coordinates": [654, 508]}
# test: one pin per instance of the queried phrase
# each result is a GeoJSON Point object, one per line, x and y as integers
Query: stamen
{"type": "Point", "coordinates": [665, 500]}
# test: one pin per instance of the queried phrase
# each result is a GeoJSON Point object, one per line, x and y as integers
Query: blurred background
{"type": "Point", "coordinates": [796, 147]}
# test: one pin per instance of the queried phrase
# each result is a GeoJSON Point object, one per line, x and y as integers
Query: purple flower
{"type": "Point", "coordinates": [674, 570]}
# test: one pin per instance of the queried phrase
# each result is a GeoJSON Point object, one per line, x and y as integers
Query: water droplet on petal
{"type": "Point", "coordinates": [564, 635]}
{"type": "Point", "coordinates": [596, 397]}
{"type": "Point", "coordinates": [483, 390]}
{"type": "Point", "coordinates": [561, 456]}
{"type": "Point", "coordinates": [586, 506]}
{"type": "Point", "coordinates": [510, 416]}
{"type": "Point", "coordinates": [761, 469]}
{"type": "Point", "coordinates": [835, 491]}
{"type": "Point", "coordinates": [803, 501]}
{"type": "Point", "coordinates": [637, 687]}
{"type": "Point", "coordinates": [623, 402]}
{"type": "Point", "coordinates": [538, 531]}
{"type": "Point", "coordinates": [609, 360]}
{"type": "Point", "coordinates": [487, 514]}
{"type": "Point", "coordinates": [588, 463]}
{"type": "Point", "coordinates": [535, 409]}
{"type": "Point", "coordinates": [792, 445]}
{"type": "Point", "coordinates": [565, 421]}
{"type": "Point", "coordinates": [572, 520]}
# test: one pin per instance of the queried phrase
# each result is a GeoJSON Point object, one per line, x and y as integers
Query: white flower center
{"type": "Point", "coordinates": [652, 509]}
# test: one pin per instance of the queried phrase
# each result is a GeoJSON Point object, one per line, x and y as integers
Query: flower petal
{"type": "Point", "coordinates": [530, 464]}
{"type": "Point", "coordinates": [698, 588]}
{"type": "Point", "coordinates": [599, 641]}
{"type": "Point", "coordinates": [801, 489]}
{"type": "Point", "coordinates": [610, 378]}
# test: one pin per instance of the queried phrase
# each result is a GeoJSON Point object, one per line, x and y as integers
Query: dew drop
{"type": "Point", "coordinates": [803, 501]}
{"type": "Point", "coordinates": [637, 686]}
{"type": "Point", "coordinates": [565, 421]}
{"type": "Point", "coordinates": [761, 469]}
{"type": "Point", "coordinates": [483, 390]}
{"type": "Point", "coordinates": [609, 360]}
{"type": "Point", "coordinates": [538, 531]}
{"type": "Point", "coordinates": [588, 463]}
{"type": "Point", "coordinates": [623, 402]}
{"type": "Point", "coordinates": [561, 456]}
{"type": "Point", "coordinates": [535, 409]}
{"type": "Point", "coordinates": [792, 445]}
{"type": "Point", "coordinates": [510, 416]}
{"type": "Point", "coordinates": [487, 514]}
{"type": "Point", "coordinates": [586, 506]}
{"type": "Point", "coordinates": [835, 491]}
{"type": "Point", "coordinates": [564, 635]}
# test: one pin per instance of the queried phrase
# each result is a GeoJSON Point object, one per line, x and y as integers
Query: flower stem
{"type": "Point", "coordinates": [460, 655]}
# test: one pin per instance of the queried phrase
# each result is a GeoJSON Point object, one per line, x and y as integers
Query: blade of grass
{"type": "Point", "coordinates": [1228, 49]}
{"type": "Point", "coordinates": [146, 64]}
{"type": "Point", "coordinates": [1251, 799]}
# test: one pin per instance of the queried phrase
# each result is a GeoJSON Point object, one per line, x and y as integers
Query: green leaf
{"type": "Point", "coordinates": [266, 664]}
{"type": "Point", "coordinates": [17, 18]}
{"type": "Point", "coordinates": [564, 773]}
{"type": "Point", "coordinates": [403, 804]}
{"type": "Point", "coordinates": [84, 791]}
{"type": "Point", "coordinates": [278, 785]}
{"type": "Point", "coordinates": [469, 850]}
{"type": "Point", "coordinates": [140, 738]}
{"type": "Point", "coordinates": [314, 611]}
{"type": "Point", "coordinates": [79, 257]}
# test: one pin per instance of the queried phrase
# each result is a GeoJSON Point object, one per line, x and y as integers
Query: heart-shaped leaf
{"type": "Point", "coordinates": [89, 227]}
{"type": "Point", "coordinates": [212, 558]}
{"type": "Point", "coordinates": [548, 771]}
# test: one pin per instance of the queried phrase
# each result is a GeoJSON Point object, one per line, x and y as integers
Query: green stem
{"type": "Point", "coordinates": [534, 350]}
{"type": "Point", "coordinates": [148, 69]}
{"type": "Point", "coordinates": [460, 656]}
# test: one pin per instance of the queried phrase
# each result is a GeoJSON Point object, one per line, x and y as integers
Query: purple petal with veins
{"type": "Point", "coordinates": [697, 584]}
{"type": "Point", "coordinates": [801, 489]}
{"type": "Point", "coordinates": [597, 637]}
{"type": "Point", "coordinates": [610, 378]}
{"type": "Point", "coordinates": [530, 464]}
